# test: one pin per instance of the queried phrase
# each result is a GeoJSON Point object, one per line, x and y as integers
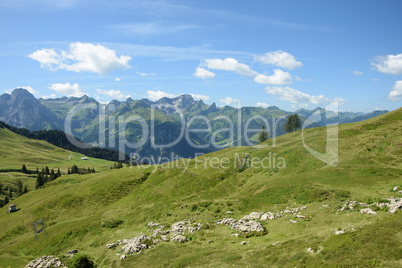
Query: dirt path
{"type": "Point", "coordinates": [7, 174]}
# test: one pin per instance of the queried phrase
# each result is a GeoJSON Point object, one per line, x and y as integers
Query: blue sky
{"type": "Point", "coordinates": [292, 54]}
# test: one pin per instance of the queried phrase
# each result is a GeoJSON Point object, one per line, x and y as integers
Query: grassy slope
{"type": "Point", "coordinates": [370, 164]}
{"type": "Point", "coordinates": [16, 151]}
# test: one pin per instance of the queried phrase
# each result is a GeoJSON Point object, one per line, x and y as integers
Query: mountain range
{"type": "Point", "coordinates": [179, 126]}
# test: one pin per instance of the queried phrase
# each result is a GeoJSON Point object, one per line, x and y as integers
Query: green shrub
{"type": "Point", "coordinates": [80, 261]}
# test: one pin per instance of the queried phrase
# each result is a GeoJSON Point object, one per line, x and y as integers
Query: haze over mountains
{"type": "Point", "coordinates": [158, 122]}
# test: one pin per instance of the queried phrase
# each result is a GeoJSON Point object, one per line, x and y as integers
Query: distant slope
{"type": "Point", "coordinates": [16, 150]}
{"type": "Point", "coordinates": [60, 139]}
{"type": "Point", "coordinates": [370, 154]}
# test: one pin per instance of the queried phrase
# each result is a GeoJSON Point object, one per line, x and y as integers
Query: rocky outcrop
{"type": "Point", "coordinates": [393, 204]}
{"type": "Point", "coordinates": [136, 244]}
{"type": "Point", "coordinates": [243, 226]}
{"type": "Point", "coordinates": [368, 211]}
{"type": "Point", "coordinates": [45, 262]}
{"type": "Point", "coordinates": [176, 233]}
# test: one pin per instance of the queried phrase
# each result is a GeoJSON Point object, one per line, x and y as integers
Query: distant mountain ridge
{"type": "Point", "coordinates": [98, 124]}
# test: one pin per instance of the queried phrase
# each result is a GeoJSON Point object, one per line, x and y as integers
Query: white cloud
{"type": "Point", "coordinates": [51, 96]}
{"type": "Point", "coordinates": [229, 100]}
{"type": "Point", "coordinates": [200, 97]}
{"type": "Point", "coordinates": [279, 58]}
{"type": "Point", "coordinates": [278, 78]}
{"type": "Point", "coordinates": [295, 96]}
{"type": "Point", "coordinates": [396, 93]}
{"type": "Point", "coordinates": [262, 104]}
{"type": "Point", "coordinates": [68, 90]}
{"type": "Point", "coordinates": [115, 94]}
{"type": "Point", "coordinates": [203, 73]}
{"type": "Point", "coordinates": [81, 57]}
{"type": "Point", "coordinates": [146, 74]}
{"type": "Point", "coordinates": [30, 89]}
{"type": "Point", "coordinates": [117, 79]}
{"type": "Point", "coordinates": [156, 95]}
{"type": "Point", "coordinates": [356, 72]}
{"type": "Point", "coordinates": [391, 64]}
{"type": "Point", "coordinates": [374, 79]}
{"type": "Point", "coordinates": [229, 64]}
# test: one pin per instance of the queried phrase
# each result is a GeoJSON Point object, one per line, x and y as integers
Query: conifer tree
{"type": "Point", "coordinates": [24, 169]}
{"type": "Point", "coordinates": [39, 181]}
{"type": "Point", "coordinates": [263, 135]}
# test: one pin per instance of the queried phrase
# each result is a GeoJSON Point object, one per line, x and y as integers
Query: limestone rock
{"type": "Point", "coordinates": [136, 244]}
{"type": "Point", "coordinates": [45, 262]}
{"type": "Point", "coordinates": [368, 211]}
{"type": "Point", "coordinates": [179, 239]}
{"type": "Point", "coordinates": [252, 216]}
{"type": "Point", "coordinates": [338, 232]}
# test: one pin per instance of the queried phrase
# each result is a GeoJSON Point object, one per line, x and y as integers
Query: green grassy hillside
{"type": "Point", "coordinates": [16, 150]}
{"type": "Point", "coordinates": [75, 208]}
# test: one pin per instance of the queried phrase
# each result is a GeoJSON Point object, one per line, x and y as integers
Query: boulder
{"type": "Point", "coordinates": [368, 211]}
{"type": "Point", "coordinates": [338, 232]}
{"type": "Point", "coordinates": [395, 204]}
{"type": "Point", "coordinates": [252, 216]}
{"type": "Point", "coordinates": [45, 262]}
{"type": "Point", "coordinates": [183, 227]}
{"type": "Point", "coordinates": [179, 239]}
{"type": "Point", "coordinates": [247, 226]}
{"type": "Point", "coordinates": [136, 244]}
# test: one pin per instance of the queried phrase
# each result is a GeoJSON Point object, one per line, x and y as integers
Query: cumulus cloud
{"type": "Point", "coordinates": [68, 90]}
{"type": "Point", "coordinates": [229, 64]}
{"type": "Point", "coordinates": [81, 57]}
{"type": "Point", "coordinates": [294, 96]}
{"type": "Point", "coordinates": [51, 96]}
{"type": "Point", "coordinates": [391, 64]}
{"type": "Point", "coordinates": [396, 93]}
{"type": "Point", "coordinates": [278, 78]}
{"type": "Point", "coordinates": [157, 95]}
{"type": "Point", "coordinates": [262, 104]}
{"type": "Point", "coordinates": [229, 100]}
{"type": "Point", "coordinates": [30, 89]}
{"type": "Point", "coordinates": [115, 94]}
{"type": "Point", "coordinates": [117, 79]}
{"type": "Point", "coordinates": [203, 73]}
{"type": "Point", "coordinates": [279, 58]}
{"type": "Point", "coordinates": [200, 97]}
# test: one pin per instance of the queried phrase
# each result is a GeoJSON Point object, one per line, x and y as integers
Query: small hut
{"type": "Point", "coordinates": [12, 208]}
